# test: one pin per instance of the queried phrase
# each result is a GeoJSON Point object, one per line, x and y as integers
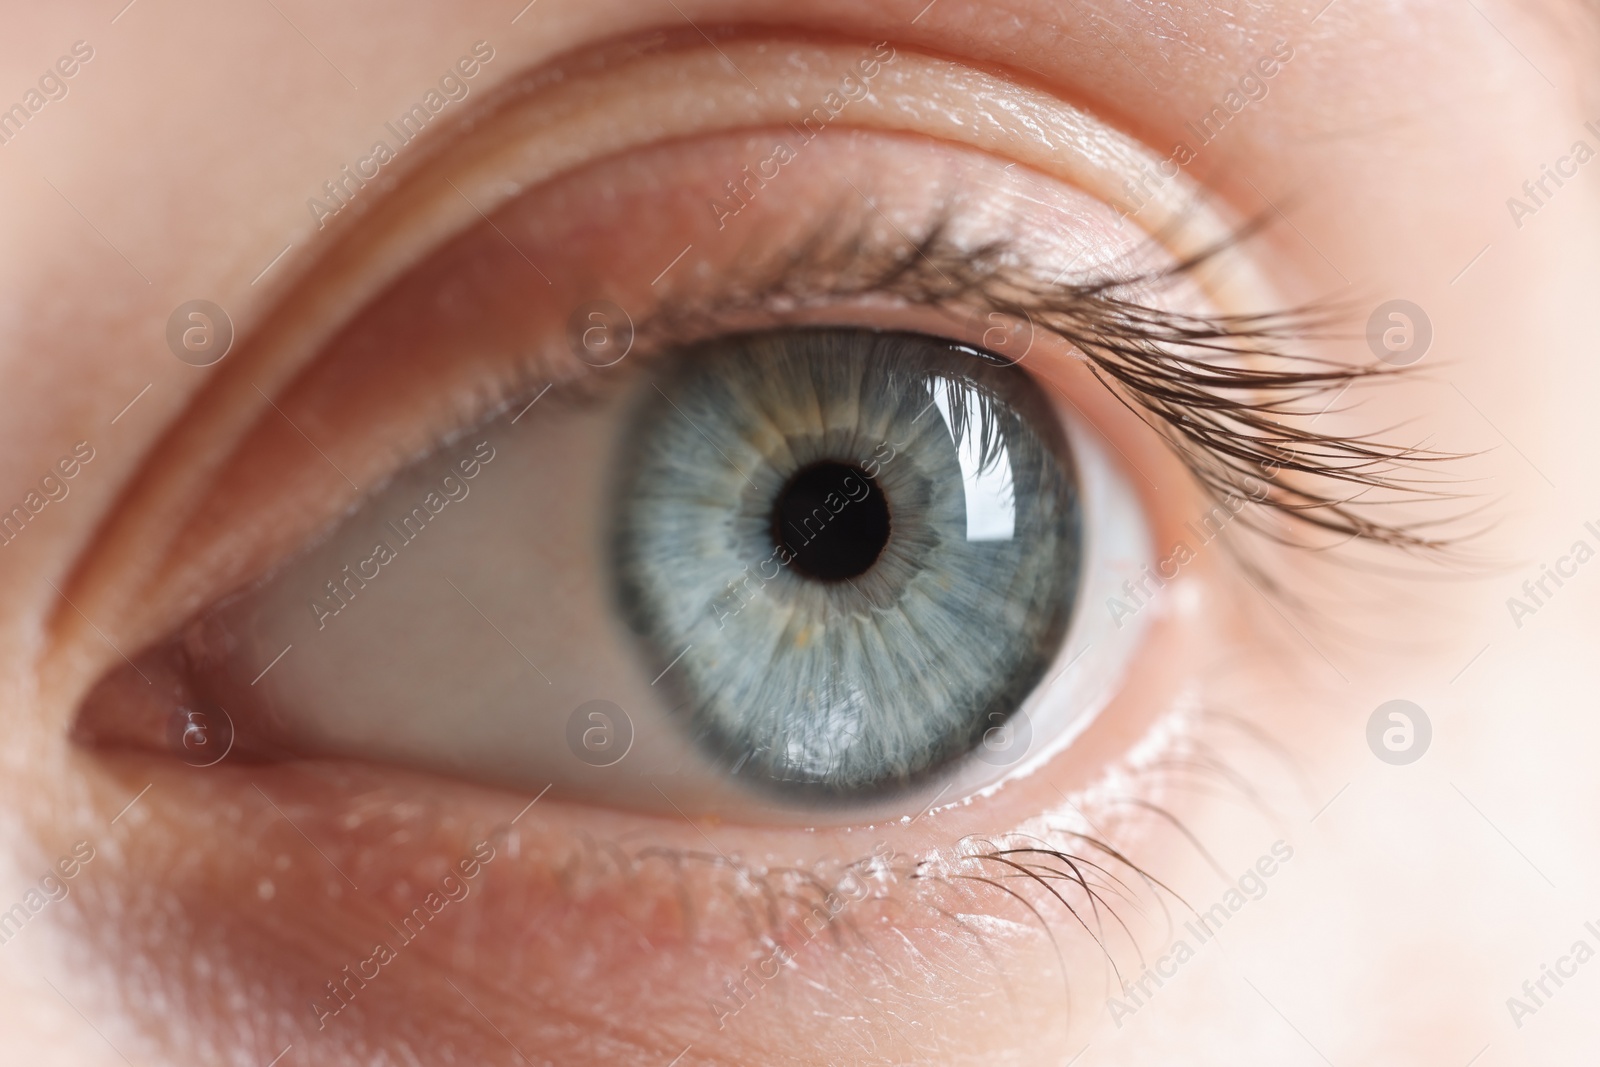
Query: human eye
{"type": "Point", "coordinates": [776, 507]}
{"type": "Point", "coordinates": [756, 567]}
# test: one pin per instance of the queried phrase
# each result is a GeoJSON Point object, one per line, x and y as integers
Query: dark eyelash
{"type": "Point", "coordinates": [1073, 884]}
{"type": "Point", "coordinates": [1222, 389]}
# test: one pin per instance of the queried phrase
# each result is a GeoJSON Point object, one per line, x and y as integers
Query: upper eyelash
{"type": "Point", "coordinates": [1222, 389]}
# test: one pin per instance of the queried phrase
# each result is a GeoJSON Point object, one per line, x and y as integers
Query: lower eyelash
{"type": "Point", "coordinates": [1093, 877]}
{"type": "Point", "coordinates": [1068, 880]}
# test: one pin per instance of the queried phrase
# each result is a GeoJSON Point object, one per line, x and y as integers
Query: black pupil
{"type": "Point", "coordinates": [833, 519]}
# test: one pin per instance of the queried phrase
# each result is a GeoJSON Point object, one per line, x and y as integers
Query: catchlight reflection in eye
{"type": "Point", "coordinates": [806, 569]}
{"type": "Point", "coordinates": [868, 542]}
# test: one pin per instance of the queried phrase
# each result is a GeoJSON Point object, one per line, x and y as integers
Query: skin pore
{"type": "Point", "coordinates": [1404, 905]}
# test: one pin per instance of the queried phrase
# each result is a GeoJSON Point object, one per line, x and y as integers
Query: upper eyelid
{"type": "Point", "coordinates": [382, 247]}
{"type": "Point", "coordinates": [1078, 149]}
{"type": "Point", "coordinates": [1222, 388]}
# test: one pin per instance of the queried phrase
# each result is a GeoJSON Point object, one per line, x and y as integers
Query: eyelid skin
{"type": "Point", "coordinates": [532, 136]}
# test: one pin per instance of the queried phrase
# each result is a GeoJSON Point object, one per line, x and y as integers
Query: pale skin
{"type": "Point", "coordinates": [1419, 904]}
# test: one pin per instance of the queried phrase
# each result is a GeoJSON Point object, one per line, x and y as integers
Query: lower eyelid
{"type": "Point", "coordinates": [648, 898]}
{"type": "Point", "coordinates": [581, 911]}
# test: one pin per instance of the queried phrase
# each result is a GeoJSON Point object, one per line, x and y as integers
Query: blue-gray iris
{"type": "Point", "coordinates": [868, 542]}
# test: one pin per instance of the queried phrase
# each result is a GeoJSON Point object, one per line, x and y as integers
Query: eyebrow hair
{"type": "Point", "coordinates": [1224, 390]}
